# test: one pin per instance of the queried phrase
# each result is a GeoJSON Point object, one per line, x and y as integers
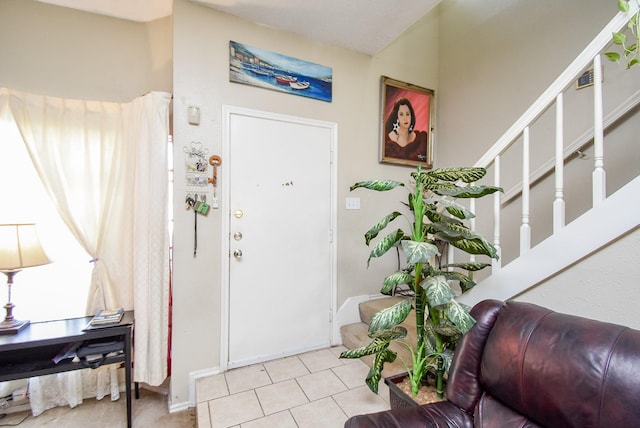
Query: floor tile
{"type": "Point", "coordinates": [203, 417]}
{"type": "Point", "coordinates": [234, 409]}
{"type": "Point", "coordinates": [280, 396]}
{"type": "Point", "coordinates": [321, 384]}
{"type": "Point", "coordinates": [211, 387]}
{"type": "Point", "coordinates": [337, 350]}
{"type": "Point", "coordinates": [285, 369]}
{"type": "Point", "coordinates": [353, 375]}
{"type": "Point", "coordinates": [319, 414]}
{"type": "Point", "coordinates": [279, 420]}
{"type": "Point", "coordinates": [316, 361]}
{"type": "Point", "coordinates": [246, 378]}
{"type": "Point", "coordinates": [360, 401]}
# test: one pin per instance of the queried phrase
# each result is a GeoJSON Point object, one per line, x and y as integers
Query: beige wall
{"type": "Point", "coordinates": [67, 53]}
{"type": "Point", "coordinates": [201, 78]}
{"type": "Point", "coordinates": [495, 59]}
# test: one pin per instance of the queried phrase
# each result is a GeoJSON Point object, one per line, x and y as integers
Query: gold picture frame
{"type": "Point", "coordinates": [406, 136]}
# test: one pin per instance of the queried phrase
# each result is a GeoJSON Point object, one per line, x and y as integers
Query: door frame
{"type": "Point", "coordinates": [225, 211]}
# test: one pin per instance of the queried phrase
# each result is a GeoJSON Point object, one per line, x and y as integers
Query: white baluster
{"type": "Point", "coordinates": [558, 203]}
{"type": "Point", "coordinates": [496, 264]}
{"type": "Point", "coordinates": [525, 229]}
{"type": "Point", "coordinates": [599, 174]}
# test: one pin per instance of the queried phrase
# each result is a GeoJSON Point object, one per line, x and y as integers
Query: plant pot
{"type": "Point", "coordinates": [399, 399]}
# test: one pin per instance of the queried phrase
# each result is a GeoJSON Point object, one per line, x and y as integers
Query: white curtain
{"type": "Point", "coordinates": [104, 165]}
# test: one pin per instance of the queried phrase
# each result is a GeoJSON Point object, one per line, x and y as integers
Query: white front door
{"type": "Point", "coordinates": [280, 236]}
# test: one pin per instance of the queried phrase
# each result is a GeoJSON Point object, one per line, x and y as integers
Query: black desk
{"type": "Point", "coordinates": [29, 353]}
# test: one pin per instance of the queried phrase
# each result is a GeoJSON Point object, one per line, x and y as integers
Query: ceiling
{"type": "Point", "coordinates": [365, 26]}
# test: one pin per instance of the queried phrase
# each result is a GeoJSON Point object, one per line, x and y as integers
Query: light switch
{"type": "Point", "coordinates": [353, 203]}
{"type": "Point", "coordinates": [193, 113]}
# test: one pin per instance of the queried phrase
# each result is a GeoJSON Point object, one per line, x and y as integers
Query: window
{"type": "Point", "coordinates": [59, 289]}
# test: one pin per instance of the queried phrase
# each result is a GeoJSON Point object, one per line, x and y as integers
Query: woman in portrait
{"type": "Point", "coordinates": [402, 141]}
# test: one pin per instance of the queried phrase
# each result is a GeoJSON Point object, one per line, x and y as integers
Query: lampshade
{"type": "Point", "coordinates": [20, 247]}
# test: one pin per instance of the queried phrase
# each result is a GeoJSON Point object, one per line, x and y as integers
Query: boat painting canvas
{"type": "Point", "coordinates": [256, 67]}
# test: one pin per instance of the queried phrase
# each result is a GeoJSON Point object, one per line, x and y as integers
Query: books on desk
{"type": "Point", "coordinates": [106, 318]}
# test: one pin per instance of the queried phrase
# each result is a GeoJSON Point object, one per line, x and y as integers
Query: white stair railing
{"type": "Point", "coordinates": [553, 96]}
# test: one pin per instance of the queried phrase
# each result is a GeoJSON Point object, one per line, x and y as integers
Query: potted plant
{"type": "Point", "coordinates": [434, 218]}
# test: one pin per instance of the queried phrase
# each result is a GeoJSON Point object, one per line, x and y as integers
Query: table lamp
{"type": "Point", "coordinates": [19, 248]}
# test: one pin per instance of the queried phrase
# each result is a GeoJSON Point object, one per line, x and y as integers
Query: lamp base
{"type": "Point", "coordinates": [12, 326]}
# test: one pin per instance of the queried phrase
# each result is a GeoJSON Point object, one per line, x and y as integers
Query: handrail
{"type": "Point", "coordinates": [565, 79]}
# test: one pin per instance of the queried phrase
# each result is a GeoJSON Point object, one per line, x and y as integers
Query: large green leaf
{"type": "Point", "coordinates": [466, 283]}
{"type": "Point", "coordinates": [418, 252]}
{"type": "Point", "coordinates": [379, 185]}
{"type": "Point", "coordinates": [465, 174]}
{"type": "Point", "coordinates": [375, 373]}
{"type": "Point", "coordinates": [389, 334]}
{"type": "Point", "coordinates": [376, 345]}
{"type": "Point", "coordinates": [392, 281]}
{"type": "Point", "coordinates": [373, 232]}
{"type": "Point", "coordinates": [465, 239]}
{"type": "Point", "coordinates": [478, 245]}
{"type": "Point", "coordinates": [468, 191]}
{"type": "Point", "coordinates": [447, 358]}
{"type": "Point", "coordinates": [447, 329]}
{"type": "Point", "coordinates": [438, 290]}
{"type": "Point", "coordinates": [385, 244]}
{"type": "Point", "coordinates": [457, 210]}
{"type": "Point", "coordinates": [469, 266]}
{"type": "Point", "coordinates": [391, 316]}
{"type": "Point", "coordinates": [459, 315]}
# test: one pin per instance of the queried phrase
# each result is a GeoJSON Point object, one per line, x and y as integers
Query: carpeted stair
{"type": "Point", "coordinates": [355, 335]}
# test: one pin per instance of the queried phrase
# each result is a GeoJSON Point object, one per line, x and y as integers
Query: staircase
{"type": "Point", "coordinates": [355, 335]}
{"type": "Point", "coordinates": [609, 218]}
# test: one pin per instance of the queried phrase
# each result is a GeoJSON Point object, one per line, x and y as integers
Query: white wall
{"type": "Point", "coordinates": [603, 286]}
{"type": "Point", "coordinates": [201, 78]}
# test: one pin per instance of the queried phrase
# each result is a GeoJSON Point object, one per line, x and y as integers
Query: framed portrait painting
{"type": "Point", "coordinates": [406, 129]}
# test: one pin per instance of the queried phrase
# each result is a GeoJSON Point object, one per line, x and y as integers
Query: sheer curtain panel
{"type": "Point", "coordinates": [104, 165]}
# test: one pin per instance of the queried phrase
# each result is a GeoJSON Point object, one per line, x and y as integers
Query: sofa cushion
{"type": "Point", "coordinates": [562, 370]}
{"type": "Point", "coordinates": [490, 413]}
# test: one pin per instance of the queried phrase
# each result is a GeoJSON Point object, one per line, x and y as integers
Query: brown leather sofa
{"type": "Point", "coordinates": [523, 365]}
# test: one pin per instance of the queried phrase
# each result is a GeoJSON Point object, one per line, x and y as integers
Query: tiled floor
{"type": "Point", "coordinates": [311, 390]}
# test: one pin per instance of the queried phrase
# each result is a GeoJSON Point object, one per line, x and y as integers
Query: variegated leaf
{"type": "Point", "coordinates": [459, 315]}
{"type": "Point", "coordinates": [447, 358]}
{"type": "Point", "coordinates": [438, 290]}
{"type": "Point", "coordinates": [418, 252]}
{"type": "Point", "coordinates": [385, 244]}
{"type": "Point", "coordinates": [373, 347]}
{"type": "Point", "coordinates": [457, 210]}
{"type": "Point", "coordinates": [447, 329]}
{"type": "Point", "coordinates": [479, 245]}
{"type": "Point", "coordinates": [373, 232]}
{"type": "Point", "coordinates": [378, 185]}
{"type": "Point", "coordinates": [389, 334]}
{"type": "Point", "coordinates": [465, 174]}
{"type": "Point", "coordinates": [391, 316]}
{"type": "Point", "coordinates": [469, 266]}
{"type": "Point", "coordinates": [466, 283]}
{"type": "Point", "coordinates": [375, 373]}
{"type": "Point", "coordinates": [468, 192]}
{"type": "Point", "coordinates": [392, 281]}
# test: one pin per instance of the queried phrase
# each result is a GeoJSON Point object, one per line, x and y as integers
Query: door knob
{"type": "Point", "coordinates": [237, 254]}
